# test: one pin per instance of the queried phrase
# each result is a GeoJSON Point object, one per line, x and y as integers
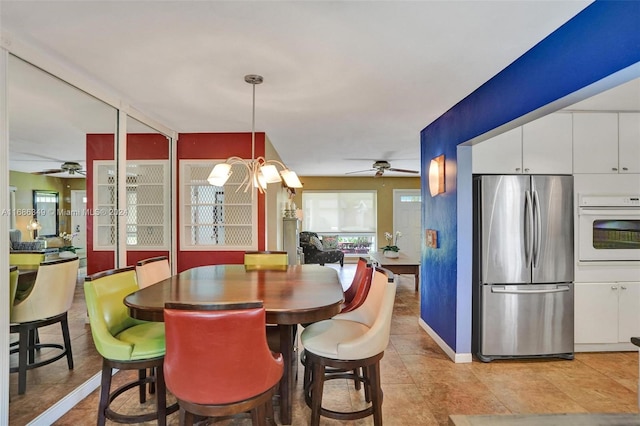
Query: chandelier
{"type": "Point", "coordinates": [260, 171]}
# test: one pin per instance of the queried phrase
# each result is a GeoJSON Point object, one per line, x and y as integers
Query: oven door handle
{"type": "Point", "coordinates": [621, 212]}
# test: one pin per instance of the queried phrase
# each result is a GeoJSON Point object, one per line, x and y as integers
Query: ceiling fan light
{"type": "Point", "coordinates": [291, 178]}
{"type": "Point", "coordinates": [270, 173]}
{"type": "Point", "coordinates": [220, 174]}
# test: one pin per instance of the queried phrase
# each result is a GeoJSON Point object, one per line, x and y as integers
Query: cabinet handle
{"type": "Point", "coordinates": [625, 168]}
{"type": "Point", "coordinates": [517, 169]}
{"type": "Point", "coordinates": [614, 287]}
{"type": "Point", "coordinates": [623, 287]}
{"type": "Point", "coordinates": [615, 169]}
{"type": "Point", "coordinates": [526, 170]}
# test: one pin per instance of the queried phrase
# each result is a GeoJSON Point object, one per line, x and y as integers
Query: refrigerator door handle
{"type": "Point", "coordinates": [528, 240]}
{"type": "Point", "coordinates": [505, 289]}
{"type": "Point", "coordinates": [537, 224]}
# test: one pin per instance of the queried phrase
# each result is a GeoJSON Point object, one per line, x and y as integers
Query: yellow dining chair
{"type": "Point", "coordinates": [47, 303]}
{"type": "Point", "coordinates": [125, 343]}
{"type": "Point", "coordinates": [152, 270]}
{"type": "Point", "coordinates": [266, 259]}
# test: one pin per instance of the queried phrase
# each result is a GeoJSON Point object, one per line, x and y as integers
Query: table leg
{"type": "Point", "coordinates": [417, 279]}
{"type": "Point", "coordinates": [287, 347]}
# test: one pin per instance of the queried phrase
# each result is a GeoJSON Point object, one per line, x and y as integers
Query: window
{"type": "Point", "coordinates": [216, 217]}
{"type": "Point", "coordinates": [349, 215]}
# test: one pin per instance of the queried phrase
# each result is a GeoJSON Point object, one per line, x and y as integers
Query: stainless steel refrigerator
{"type": "Point", "coordinates": [523, 266]}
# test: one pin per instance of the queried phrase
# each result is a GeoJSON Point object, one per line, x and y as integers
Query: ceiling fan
{"type": "Point", "coordinates": [70, 167]}
{"type": "Point", "coordinates": [380, 166]}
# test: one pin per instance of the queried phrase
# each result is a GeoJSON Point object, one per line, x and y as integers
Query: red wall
{"type": "Point", "coordinates": [189, 146]}
{"type": "Point", "coordinates": [218, 146]}
{"type": "Point", "coordinates": [101, 147]}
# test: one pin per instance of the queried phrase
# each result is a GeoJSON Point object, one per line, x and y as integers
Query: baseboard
{"type": "Point", "coordinates": [61, 407]}
{"type": "Point", "coordinates": [455, 357]}
{"type": "Point", "coordinates": [605, 347]}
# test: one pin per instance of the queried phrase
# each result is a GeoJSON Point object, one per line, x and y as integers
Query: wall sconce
{"type": "Point", "coordinates": [436, 175]}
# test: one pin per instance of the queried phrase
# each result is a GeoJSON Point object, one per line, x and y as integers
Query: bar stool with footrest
{"type": "Point", "coordinates": [46, 302]}
{"type": "Point", "coordinates": [232, 373]}
{"type": "Point", "coordinates": [124, 343]}
{"type": "Point", "coordinates": [152, 270]}
{"type": "Point", "coordinates": [348, 342]}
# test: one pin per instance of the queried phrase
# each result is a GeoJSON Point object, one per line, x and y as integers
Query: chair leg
{"type": "Point", "coordinates": [64, 324]}
{"type": "Point", "coordinates": [367, 383]}
{"type": "Point", "coordinates": [317, 387]}
{"type": "Point", "coordinates": [31, 346]}
{"type": "Point", "coordinates": [356, 383]}
{"type": "Point", "coordinates": [376, 392]}
{"type": "Point", "coordinates": [142, 374]}
{"type": "Point", "coordinates": [270, 414]}
{"type": "Point", "coordinates": [104, 393]}
{"type": "Point", "coordinates": [152, 385]}
{"type": "Point", "coordinates": [161, 396]}
{"type": "Point", "coordinates": [23, 344]}
{"type": "Point", "coordinates": [186, 418]}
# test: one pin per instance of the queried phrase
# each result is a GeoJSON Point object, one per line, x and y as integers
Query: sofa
{"type": "Point", "coordinates": [318, 251]}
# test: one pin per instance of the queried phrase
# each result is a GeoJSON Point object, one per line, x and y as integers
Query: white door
{"type": "Point", "coordinates": [79, 218]}
{"type": "Point", "coordinates": [407, 208]}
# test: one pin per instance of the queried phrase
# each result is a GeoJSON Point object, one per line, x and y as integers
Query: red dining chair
{"type": "Point", "coordinates": [233, 373]}
{"type": "Point", "coordinates": [361, 269]}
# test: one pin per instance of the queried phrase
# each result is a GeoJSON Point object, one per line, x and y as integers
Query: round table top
{"type": "Point", "coordinates": [290, 294]}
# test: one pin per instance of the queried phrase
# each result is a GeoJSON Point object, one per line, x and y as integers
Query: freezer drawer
{"type": "Point", "coordinates": [526, 320]}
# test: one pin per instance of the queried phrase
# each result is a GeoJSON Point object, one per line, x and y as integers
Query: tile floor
{"type": "Point", "coordinates": [421, 385]}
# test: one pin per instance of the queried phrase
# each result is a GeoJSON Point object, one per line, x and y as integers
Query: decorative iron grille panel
{"type": "Point", "coordinates": [214, 216]}
{"type": "Point", "coordinates": [147, 212]}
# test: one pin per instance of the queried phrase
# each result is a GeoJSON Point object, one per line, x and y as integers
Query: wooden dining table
{"type": "Point", "coordinates": [291, 295]}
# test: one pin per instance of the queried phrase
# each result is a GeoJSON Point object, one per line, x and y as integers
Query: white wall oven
{"type": "Point", "coordinates": [609, 228]}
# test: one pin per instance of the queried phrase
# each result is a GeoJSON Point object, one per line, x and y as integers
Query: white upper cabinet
{"type": "Point", "coordinates": [547, 145]}
{"type": "Point", "coordinates": [501, 154]}
{"type": "Point", "coordinates": [629, 142]}
{"type": "Point", "coordinates": [543, 146]}
{"type": "Point", "coordinates": [595, 142]}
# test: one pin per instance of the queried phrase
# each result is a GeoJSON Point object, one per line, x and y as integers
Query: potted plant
{"type": "Point", "coordinates": [67, 240]}
{"type": "Point", "coordinates": [391, 249]}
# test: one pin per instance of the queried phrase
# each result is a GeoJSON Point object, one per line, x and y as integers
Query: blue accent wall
{"type": "Point", "coordinates": [601, 40]}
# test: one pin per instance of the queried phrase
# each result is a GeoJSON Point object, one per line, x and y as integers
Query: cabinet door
{"type": "Point", "coordinates": [629, 308]}
{"type": "Point", "coordinates": [547, 145]}
{"type": "Point", "coordinates": [629, 142]}
{"type": "Point", "coordinates": [596, 313]}
{"type": "Point", "coordinates": [501, 154]}
{"type": "Point", "coordinates": [595, 142]}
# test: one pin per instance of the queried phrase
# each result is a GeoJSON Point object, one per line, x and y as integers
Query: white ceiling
{"type": "Point", "coordinates": [346, 82]}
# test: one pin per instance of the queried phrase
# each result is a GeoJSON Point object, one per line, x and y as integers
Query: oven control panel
{"type": "Point", "coordinates": [587, 200]}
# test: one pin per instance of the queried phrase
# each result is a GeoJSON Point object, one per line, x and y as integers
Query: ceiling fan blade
{"type": "Point", "coordinates": [48, 172]}
{"type": "Point", "coordinates": [403, 170]}
{"type": "Point", "coordinates": [82, 172]}
{"type": "Point", "coordinates": [360, 171]}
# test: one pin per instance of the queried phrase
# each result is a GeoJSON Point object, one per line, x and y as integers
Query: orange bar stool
{"type": "Point", "coordinates": [232, 373]}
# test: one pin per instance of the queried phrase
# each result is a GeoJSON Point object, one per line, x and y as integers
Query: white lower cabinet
{"type": "Point", "coordinates": [606, 313]}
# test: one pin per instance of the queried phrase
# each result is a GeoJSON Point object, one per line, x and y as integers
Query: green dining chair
{"type": "Point", "coordinates": [125, 343]}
